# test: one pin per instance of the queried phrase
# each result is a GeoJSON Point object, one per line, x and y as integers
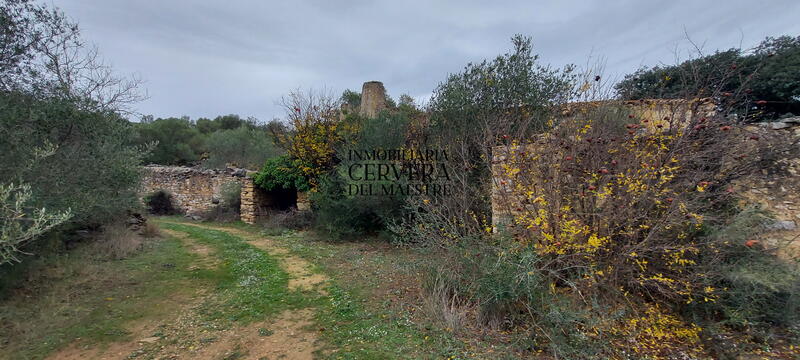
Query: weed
{"type": "Point", "coordinates": [117, 242]}
{"type": "Point", "coordinates": [151, 230]}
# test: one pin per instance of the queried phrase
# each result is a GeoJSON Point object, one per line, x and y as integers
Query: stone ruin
{"type": "Point", "coordinates": [195, 191]}
{"type": "Point", "coordinates": [373, 99]}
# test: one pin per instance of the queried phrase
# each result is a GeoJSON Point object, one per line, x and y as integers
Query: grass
{"type": "Point", "coordinates": [79, 296]}
{"type": "Point", "coordinates": [80, 299]}
{"type": "Point", "coordinates": [350, 324]}
{"type": "Point", "coordinates": [252, 286]}
{"type": "Point", "coordinates": [367, 314]}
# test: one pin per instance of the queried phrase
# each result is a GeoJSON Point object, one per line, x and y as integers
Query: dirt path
{"type": "Point", "coordinates": [301, 276]}
{"type": "Point", "coordinates": [289, 335]}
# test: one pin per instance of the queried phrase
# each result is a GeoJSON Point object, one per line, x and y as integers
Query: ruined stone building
{"type": "Point", "coordinates": [195, 191]}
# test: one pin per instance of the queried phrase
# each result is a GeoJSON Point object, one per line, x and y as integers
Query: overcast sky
{"type": "Point", "coordinates": [206, 58]}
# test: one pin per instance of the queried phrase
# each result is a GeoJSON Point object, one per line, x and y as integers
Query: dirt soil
{"type": "Point", "coordinates": [290, 335]}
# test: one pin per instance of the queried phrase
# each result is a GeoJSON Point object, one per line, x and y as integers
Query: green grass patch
{"type": "Point", "coordinates": [78, 295]}
{"type": "Point", "coordinates": [253, 286]}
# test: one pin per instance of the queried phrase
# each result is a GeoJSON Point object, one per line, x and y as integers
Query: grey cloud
{"type": "Point", "coordinates": [203, 58]}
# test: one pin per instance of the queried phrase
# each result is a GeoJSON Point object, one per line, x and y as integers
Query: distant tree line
{"type": "Point", "coordinates": [212, 143]}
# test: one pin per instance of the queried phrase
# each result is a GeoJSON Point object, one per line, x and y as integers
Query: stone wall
{"type": "Point", "coordinates": [660, 113]}
{"type": "Point", "coordinates": [252, 198]}
{"type": "Point", "coordinates": [777, 192]}
{"type": "Point", "coordinates": [194, 191]}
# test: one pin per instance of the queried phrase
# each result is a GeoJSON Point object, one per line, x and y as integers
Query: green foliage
{"type": "Point", "coordinates": [779, 78]}
{"type": "Point", "coordinates": [774, 65]}
{"type": "Point", "coordinates": [225, 140]}
{"type": "Point", "coordinates": [687, 79]}
{"type": "Point", "coordinates": [762, 290]}
{"type": "Point", "coordinates": [20, 225]}
{"type": "Point", "coordinates": [338, 210]}
{"type": "Point", "coordinates": [506, 292]}
{"type": "Point", "coordinates": [343, 216]}
{"type": "Point", "coordinates": [241, 147]}
{"type": "Point", "coordinates": [177, 141]}
{"type": "Point", "coordinates": [466, 103]}
{"type": "Point", "coordinates": [351, 98]}
{"type": "Point", "coordinates": [92, 169]}
{"type": "Point", "coordinates": [281, 173]}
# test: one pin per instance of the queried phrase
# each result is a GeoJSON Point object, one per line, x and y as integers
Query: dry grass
{"type": "Point", "coordinates": [277, 222]}
{"type": "Point", "coordinates": [442, 305]}
{"type": "Point", "coordinates": [118, 242]}
{"type": "Point", "coordinates": [151, 230]}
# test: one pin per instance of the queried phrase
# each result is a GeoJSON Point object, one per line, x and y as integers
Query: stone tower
{"type": "Point", "coordinates": [373, 99]}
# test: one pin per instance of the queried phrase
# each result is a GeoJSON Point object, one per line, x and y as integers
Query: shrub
{"type": "Point", "coordinates": [512, 94]}
{"type": "Point", "coordinates": [117, 241]}
{"type": "Point", "coordinates": [160, 203]}
{"type": "Point", "coordinates": [318, 129]}
{"type": "Point", "coordinates": [626, 211]}
{"type": "Point", "coordinates": [151, 230]}
{"type": "Point", "coordinates": [19, 224]}
{"type": "Point", "coordinates": [768, 78]}
{"type": "Point", "coordinates": [492, 283]}
{"type": "Point", "coordinates": [91, 168]}
{"type": "Point", "coordinates": [342, 216]}
{"type": "Point", "coordinates": [762, 289]}
{"type": "Point", "coordinates": [281, 173]}
{"type": "Point", "coordinates": [610, 247]}
{"type": "Point", "coordinates": [345, 214]}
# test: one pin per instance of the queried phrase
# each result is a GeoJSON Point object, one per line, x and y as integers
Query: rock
{"type": "Point", "coordinates": [782, 225]}
{"type": "Point", "coordinates": [150, 339]}
{"type": "Point", "coordinates": [776, 125]}
{"type": "Point", "coordinates": [135, 221]}
{"type": "Point", "coordinates": [791, 120]}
